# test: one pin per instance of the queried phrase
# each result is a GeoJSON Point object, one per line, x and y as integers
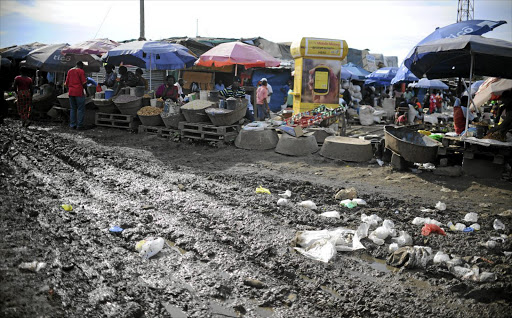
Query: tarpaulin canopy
{"type": "Point", "coordinates": [96, 46]}
{"type": "Point", "coordinates": [237, 53]}
{"type": "Point", "coordinates": [20, 52]}
{"type": "Point", "coordinates": [432, 84]}
{"type": "Point", "coordinates": [469, 27]}
{"type": "Point", "coordinates": [49, 58]}
{"type": "Point", "coordinates": [381, 77]}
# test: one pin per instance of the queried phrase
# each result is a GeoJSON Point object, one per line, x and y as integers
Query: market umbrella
{"type": "Point", "coordinates": [469, 27]}
{"type": "Point", "coordinates": [151, 55]}
{"type": "Point", "coordinates": [358, 73]}
{"type": "Point", "coordinates": [49, 58]}
{"type": "Point", "coordinates": [237, 53]}
{"type": "Point", "coordinates": [96, 46]}
{"type": "Point", "coordinates": [431, 84]}
{"type": "Point", "coordinates": [381, 77]}
{"type": "Point", "coordinates": [493, 86]}
{"type": "Point", "coordinates": [466, 55]}
{"type": "Point", "coordinates": [20, 52]}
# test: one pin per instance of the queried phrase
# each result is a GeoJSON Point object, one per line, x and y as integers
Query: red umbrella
{"type": "Point", "coordinates": [237, 53]}
{"type": "Point", "coordinates": [96, 46]}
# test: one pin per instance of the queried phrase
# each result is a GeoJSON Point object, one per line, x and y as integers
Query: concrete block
{"type": "Point", "coordinates": [484, 169]}
{"type": "Point", "coordinates": [453, 171]}
{"type": "Point", "coordinates": [257, 139]}
{"type": "Point", "coordinates": [296, 146]}
{"type": "Point", "coordinates": [398, 162]}
{"type": "Point", "coordinates": [320, 134]}
{"type": "Point", "coordinates": [347, 149]}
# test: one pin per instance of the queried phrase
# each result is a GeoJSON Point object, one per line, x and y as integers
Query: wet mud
{"type": "Point", "coordinates": [228, 250]}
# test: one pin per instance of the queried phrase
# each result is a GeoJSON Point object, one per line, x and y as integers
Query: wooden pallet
{"type": "Point", "coordinates": [201, 135]}
{"type": "Point", "coordinates": [117, 121]}
{"type": "Point", "coordinates": [208, 128]}
{"type": "Point", "coordinates": [159, 131]}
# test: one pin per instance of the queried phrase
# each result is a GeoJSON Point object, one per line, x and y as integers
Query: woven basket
{"type": "Point", "coordinates": [154, 120]}
{"type": "Point", "coordinates": [129, 108]}
{"type": "Point", "coordinates": [173, 120]}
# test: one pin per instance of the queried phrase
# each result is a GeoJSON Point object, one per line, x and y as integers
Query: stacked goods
{"type": "Point", "coordinates": [194, 111]}
{"type": "Point", "coordinates": [314, 117]}
{"type": "Point", "coordinates": [150, 116]}
{"type": "Point", "coordinates": [128, 105]}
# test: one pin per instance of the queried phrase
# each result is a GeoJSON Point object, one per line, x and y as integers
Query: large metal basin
{"type": "Point", "coordinates": [411, 145]}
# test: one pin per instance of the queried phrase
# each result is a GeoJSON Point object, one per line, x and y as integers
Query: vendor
{"type": "Point", "coordinates": [235, 90]}
{"type": "Point", "coordinates": [459, 116]}
{"type": "Point", "coordinates": [142, 80]}
{"type": "Point", "coordinates": [505, 113]}
{"type": "Point", "coordinates": [179, 84]}
{"type": "Point", "coordinates": [128, 79]}
{"type": "Point", "coordinates": [110, 76]}
{"type": "Point", "coordinates": [168, 90]}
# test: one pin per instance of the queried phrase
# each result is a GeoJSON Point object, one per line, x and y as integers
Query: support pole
{"type": "Point", "coordinates": [470, 99]}
{"type": "Point", "coordinates": [142, 36]}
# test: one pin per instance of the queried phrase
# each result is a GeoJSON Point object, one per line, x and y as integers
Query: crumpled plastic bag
{"type": "Point", "coordinates": [431, 228]}
{"type": "Point", "coordinates": [410, 257]}
{"type": "Point", "coordinates": [440, 206]}
{"type": "Point", "coordinates": [403, 239]}
{"type": "Point", "coordinates": [261, 189]}
{"type": "Point", "coordinates": [282, 202]}
{"type": "Point", "coordinates": [319, 245]}
{"type": "Point", "coordinates": [331, 214]}
{"type": "Point", "coordinates": [308, 204]}
{"type": "Point", "coordinates": [287, 194]}
{"type": "Point", "coordinates": [67, 207]}
{"type": "Point", "coordinates": [372, 220]}
{"type": "Point", "coordinates": [149, 247]}
{"type": "Point", "coordinates": [422, 221]}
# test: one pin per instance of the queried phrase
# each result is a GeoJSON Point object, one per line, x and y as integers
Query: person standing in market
{"type": "Point", "coordinates": [77, 83]}
{"type": "Point", "coordinates": [269, 89]}
{"type": "Point", "coordinates": [179, 84]}
{"type": "Point", "coordinates": [261, 100]}
{"type": "Point", "coordinates": [23, 87]}
{"type": "Point", "coordinates": [142, 80]}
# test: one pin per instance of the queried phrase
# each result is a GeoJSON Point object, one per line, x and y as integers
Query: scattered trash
{"type": "Point", "coordinates": [372, 220]}
{"type": "Point", "coordinates": [150, 246]}
{"type": "Point", "coordinates": [348, 203]}
{"type": "Point", "coordinates": [498, 225]}
{"type": "Point", "coordinates": [468, 229]}
{"type": "Point", "coordinates": [422, 221]}
{"type": "Point", "coordinates": [380, 162]}
{"type": "Point", "coordinates": [410, 257]}
{"type": "Point", "coordinates": [441, 258]}
{"type": "Point", "coordinates": [393, 247]}
{"type": "Point", "coordinates": [331, 214]}
{"type": "Point", "coordinates": [403, 239]}
{"type": "Point", "coordinates": [471, 217]}
{"type": "Point", "coordinates": [432, 228]}
{"type": "Point", "coordinates": [460, 227]}
{"type": "Point", "coordinates": [359, 201]}
{"type": "Point", "coordinates": [349, 193]}
{"type": "Point", "coordinates": [490, 244]}
{"type": "Point", "coordinates": [115, 229]}
{"type": "Point", "coordinates": [472, 274]}
{"type": "Point", "coordinates": [254, 283]}
{"type": "Point", "coordinates": [286, 194]}
{"type": "Point", "coordinates": [282, 202]}
{"type": "Point", "coordinates": [475, 226]}
{"type": "Point", "coordinates": [34, 266]}
{"type": "Point", "coordinates": [425, 210]}
{"type": "Point", "coordinates": [260, 189]}
{"type": "Point", "coordinates": [308, 204]}
{"type": "Point", "coordinates": [323, 245]}
{"type": "Point", "coordinates": [67, 207]}
{"type": "Point", "coordinates": [362, 230]}
{"type": "Point", "coordinates": [441, 206]}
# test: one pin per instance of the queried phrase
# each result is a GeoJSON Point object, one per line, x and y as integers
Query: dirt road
{"type": "Point", "coordinates": [228, 251]}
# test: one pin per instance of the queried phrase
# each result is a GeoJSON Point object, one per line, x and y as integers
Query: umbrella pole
{"type": "Point", "coordinates": [150, 84]}
{"type": "Point", "coordinates": [236, 69]}
{"type": "Point", "coordinates": [468, 90]}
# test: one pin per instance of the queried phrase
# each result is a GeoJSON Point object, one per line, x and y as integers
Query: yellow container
{"type": "Point", "coordinates": [317, 72]}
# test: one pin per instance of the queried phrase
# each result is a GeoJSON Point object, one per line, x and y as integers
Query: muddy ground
{"type": "Point", "coordinates": [228, 251]}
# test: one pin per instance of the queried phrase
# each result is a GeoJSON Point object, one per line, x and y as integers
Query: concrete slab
{"type": "Point", "coordinates": [398, 162]}
{"type": "Point", "coordinates": [347, 149]}
{"type": "Point", "coordinates": [257, 139]}
{"type": "Point", "coordinates": [320, 134]}
{"type": "Point", "coordinates": [296, 146]}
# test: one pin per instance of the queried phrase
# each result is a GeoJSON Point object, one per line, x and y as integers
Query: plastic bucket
{"type": "Point", "coordinates": [203, 95]}
{"type": "Point", "coordinates": [109, 93]}
{"type": "Point", "coordinates": [132, 91]}
{"type": "Point", "coordinates": [153, 102]}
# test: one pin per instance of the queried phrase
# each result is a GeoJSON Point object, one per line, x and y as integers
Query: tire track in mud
{"type": "Point", "coordinates": [227, 233]}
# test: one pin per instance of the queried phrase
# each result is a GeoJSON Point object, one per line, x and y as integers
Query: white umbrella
{"type": "Point", "coordinates": [491, 86]}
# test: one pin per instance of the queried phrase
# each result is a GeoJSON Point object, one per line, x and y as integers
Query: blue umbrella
{"type": "Point", "coordinates": [431, 84]}
{"type": "Point", "coordinates": [357, 72]}
{"type": "Point", "coordinates": [20, 52]}
{"type": "Point", "coordinates": [49, 58]}
{"type": "Point", "coordinates": [470, 27]}
{"type": "Point", "coordinates": [151, 55]}
{"type": "Point", "coordinates": [381, 77]}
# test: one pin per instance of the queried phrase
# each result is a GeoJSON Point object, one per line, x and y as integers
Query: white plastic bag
{"type": "Point", "coordinates": [331, 214]}
{"type": "Point", "coordinates": [150, 247]}
{"type": "Point", "coordinates": [372, 220]}
{"type": "Point", "coordinates": [441, 258]}
{"type": "Point", "coordinates": [308, 204]}
{"type": "Point", "coordinates": [471, 217]}
{"type": "Point", "coordinates": [362, 230]}
{"type": "Point", "coordinates": [282, 202]}
{"type": "Point", "coordinates": [440, 206]}
{"type": "Point", "coordinates": [321, 250]}
{"type": "Point", "coordinates": [286, 194]}
{"type": "Point", "coordinates": [403, 239]}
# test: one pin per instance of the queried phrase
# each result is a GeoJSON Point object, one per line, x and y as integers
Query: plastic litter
{"type": "Point", "coordinates": [115, 229]}
{"type": "Point", "coordinates": [498, 225]}
{"type": "Point", "coordinates": [286, 194]}
{"type": "Point", "coordinates": [331, 214]}
{"type": "Point", "coordinates": [431, 228]}
{"type": "Point", "coordinates": [393, 247]}
{"type": "Point", "coordinates": [375, 239]}
{"type": "Point", "coordinates": [440, 206]}
{"type": "Point", "coordinates": [260, 189]}
{"type": "Point", "coordinates": [411, 257]}
{"type": "Point", "coordinates": [323, 245]}
{"type": "Point", "coordinates": [490, 244]}
{"type": "Point", "coordinates": [308, 204]}
{"type": "Point", "coordinates": [425, 210]}
{"type": "Point", "coordinates": [476, 226]}
{"type": "Point", "coordinates": [381, 232]}
{"type": "Point", "coordinates": [34, 266]}
{"type": "Point", "coordinates": [460, 227]}
{"type": "Point", "coordinates": [359, 201]}
{"type": "Point", "coordinates": [451, 226]}
{"type": "Point", "coordinates": [67, 207]}
{"type": "Point", "coordinates": [468, 229]}
{"type": "Point", "coordinates": [372, 220]}
{"type": "Point", "coordinates": [388, 224]}
{"type": "Point", "coordinates": [471, 217]}
{"type": "Point", "coordinates": [441, 258]}
{"type": "Point", "coordinates": [421, 221]}
{"type": "Point", "coordinates": [380, 162]}
{"type": "Point", "coordinates": [349, 193]}
{"type": "Point", "coordinates": [362, 230]}
{"type": "Point", "coordinates": [282, 202]}
{"type": "Point", "coordinates": [150, 246]}
{"type": "Point", "coordinates": [403, 239]}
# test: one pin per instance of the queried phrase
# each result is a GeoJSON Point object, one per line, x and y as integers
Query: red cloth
{"type": "Point", "coordinates": [459, 121]}
{"type": "Point", "coordinates": [75, 81]}
{"type": "Point", "coordinates": [431, 228]}
{"type": "Point", "coordinates": [24, 103]}
{"type": "Point", "coordinates": [22, 82]}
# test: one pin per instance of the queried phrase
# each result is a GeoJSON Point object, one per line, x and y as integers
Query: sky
{"type": "Point", "coordinates": [391, 28]}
